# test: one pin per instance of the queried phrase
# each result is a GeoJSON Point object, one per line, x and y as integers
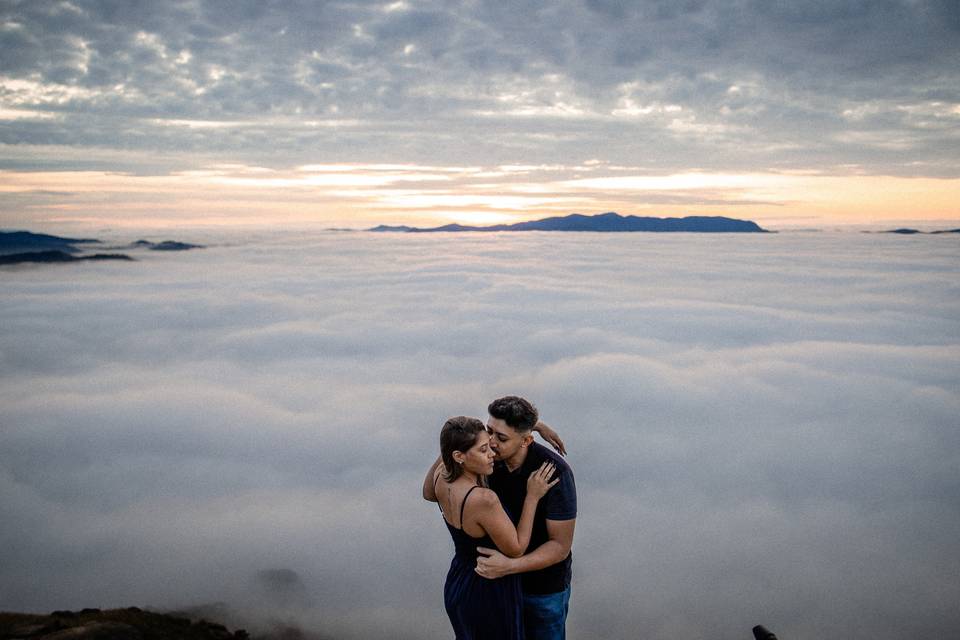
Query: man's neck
{"type": "Point", "coordinates": [517, 459]}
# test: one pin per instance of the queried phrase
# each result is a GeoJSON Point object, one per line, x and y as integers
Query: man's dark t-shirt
{"type": "Point", "coordinates": [560, 503]}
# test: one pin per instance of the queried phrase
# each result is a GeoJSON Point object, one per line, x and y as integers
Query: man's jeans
{"type": "Point", "coordinates": [545, 615]}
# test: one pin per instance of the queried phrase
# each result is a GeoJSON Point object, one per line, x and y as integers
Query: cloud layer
{"type": "Point", "coordinates": [763, 427]}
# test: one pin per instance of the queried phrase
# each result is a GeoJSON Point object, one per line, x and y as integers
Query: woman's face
{"type": "Point", "coordinates": [479, 458]}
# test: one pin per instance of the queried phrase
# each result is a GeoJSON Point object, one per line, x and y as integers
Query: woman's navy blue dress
{"type": "Point", "coordinates": [480, 609]}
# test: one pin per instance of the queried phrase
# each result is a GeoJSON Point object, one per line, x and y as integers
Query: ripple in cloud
{"type": "Point", "coordinates": [763, 427]}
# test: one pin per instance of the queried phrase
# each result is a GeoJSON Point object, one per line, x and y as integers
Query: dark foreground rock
{"type": "Point", "coordinates": [114, 624]}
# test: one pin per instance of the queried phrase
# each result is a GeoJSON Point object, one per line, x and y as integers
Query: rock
{"type": "Point", "coordinates": [131, 623]}
{"type": "Point", "coordinates": [97, 631]}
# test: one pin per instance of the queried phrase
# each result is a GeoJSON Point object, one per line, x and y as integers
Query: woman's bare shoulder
{"type": "Point", "coordinates": [484, 498]}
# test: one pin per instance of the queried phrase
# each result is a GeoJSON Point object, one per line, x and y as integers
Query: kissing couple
{"type": "Point", "coordinates": [501, 494]}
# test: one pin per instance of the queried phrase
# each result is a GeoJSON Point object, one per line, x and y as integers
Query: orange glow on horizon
{"type": "Point", "coordinates": [359, 196]}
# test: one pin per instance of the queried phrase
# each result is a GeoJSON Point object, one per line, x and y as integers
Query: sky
{"type": "Point", "coordinates": [763, 427]}
{"type": "Point", "coordinates": [806, 113]}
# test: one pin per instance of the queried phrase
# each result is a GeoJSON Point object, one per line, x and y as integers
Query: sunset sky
{"type": "Point", "coordinates": [806, 113]}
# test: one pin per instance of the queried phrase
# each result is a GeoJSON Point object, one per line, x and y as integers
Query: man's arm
{"type": "Point", "coordinates": [550, 436]}
{"type": "Point", "coordinates": [429, 486]}
{"type": "Point", "coordinates": [493, 564]}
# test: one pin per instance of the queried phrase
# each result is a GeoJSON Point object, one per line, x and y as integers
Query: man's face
{"type": "Point", "coordinates": [504, 439]}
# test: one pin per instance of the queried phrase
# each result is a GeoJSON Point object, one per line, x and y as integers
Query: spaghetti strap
{"type": "Point", "coordinates": [463, 504]}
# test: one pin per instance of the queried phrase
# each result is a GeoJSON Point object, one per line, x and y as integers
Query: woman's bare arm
{"type": "Point", "coordinates": [513, 541]}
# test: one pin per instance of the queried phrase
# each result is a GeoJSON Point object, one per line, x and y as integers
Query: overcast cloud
{"type": "Point", "coordinates": [718, 85]}
{"type": "Point", "coordinates": [763, 427]}
{"type": "Point", "coordinates": [281, 112]}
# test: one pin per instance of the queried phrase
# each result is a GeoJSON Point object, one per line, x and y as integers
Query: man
{"type": "Point", "coordinates": [546, 569]}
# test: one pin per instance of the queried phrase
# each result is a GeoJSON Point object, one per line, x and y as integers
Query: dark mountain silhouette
{"type": "Point", "coordinates": [57, 256]}
{"type": "Point", "coordinates": [604, 222]}
{"type": "Point", "coordinates": [393, 228]}
{"type": "Point", "coordinates": [167, 245]}
{"type": "Point", "coordinates": [910, 232]}
{"type": "Point", "coordinates": [22, 241]}
{"type": "Point", "coordinates": [18, 247]}
{"type": "Point", "coordinates": [905, 232]}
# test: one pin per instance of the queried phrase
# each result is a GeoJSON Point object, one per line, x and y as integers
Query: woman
{"type": "Point", "coordinates": [481, 609]}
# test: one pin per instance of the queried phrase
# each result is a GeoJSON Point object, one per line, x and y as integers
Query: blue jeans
{"type": "Point", "coordinates": [545, 615]}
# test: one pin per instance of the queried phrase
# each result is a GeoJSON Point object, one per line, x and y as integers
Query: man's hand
{"type": "Point", "coordinates": [492, 564]}
{"type": "Point", "coordinates": [430, 481]}
{"type": "Point", "coordinates": [551, 437]}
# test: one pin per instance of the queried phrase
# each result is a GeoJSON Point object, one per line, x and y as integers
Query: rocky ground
{"type": "Point", "coordinates": [115, 624]}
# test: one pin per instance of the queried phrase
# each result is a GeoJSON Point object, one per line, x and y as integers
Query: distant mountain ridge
{"type": "Point", "coordinates": [57, 256]}
{"type": "Point", "coordinates": [166, 245]}
{"type": "Point", "coordinates": [610, 222]}
{"type": "Point", "coordinates": [21, 241]}
{"type": "Point", "coordinates": [910, 232]}
{"type": "Point", "coordinates": [17, 247]}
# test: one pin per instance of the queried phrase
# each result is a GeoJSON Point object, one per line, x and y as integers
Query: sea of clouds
{"type": "Point", "coordinates": [763, 427]}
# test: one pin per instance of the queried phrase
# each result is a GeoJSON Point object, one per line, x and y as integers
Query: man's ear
{"type": "Point", "coordinates": [526, 440]}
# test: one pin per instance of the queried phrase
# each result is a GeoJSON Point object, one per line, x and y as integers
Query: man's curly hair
{"type": "Point", "coordinates": [517, 412]}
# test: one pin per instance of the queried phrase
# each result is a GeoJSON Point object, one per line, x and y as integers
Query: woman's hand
{"type": "Point", "coordinates": [539, 481]}
{"type": "Point", "coordinates": [551, 437]}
